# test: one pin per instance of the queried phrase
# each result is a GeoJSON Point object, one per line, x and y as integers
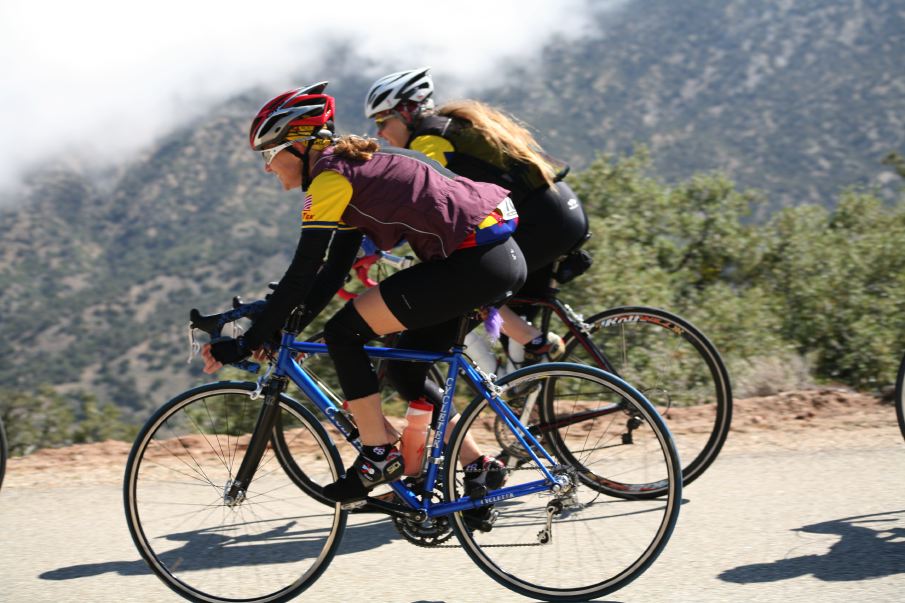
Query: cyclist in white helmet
{"type": "Point", "coordinates": [477, 141]}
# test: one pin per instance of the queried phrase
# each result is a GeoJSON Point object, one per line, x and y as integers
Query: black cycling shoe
{"type": "Point", "coordinates": [365, 475]}
{"type": "Point", "coordinates": [482, 476]}
{"type": "Point", "coordinates": [480, 519]}
{"type": "Point", "coordinates": [551, 348]}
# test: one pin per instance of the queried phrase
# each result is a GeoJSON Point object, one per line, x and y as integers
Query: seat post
{"type": "Point", "coordinates": [464, 328]}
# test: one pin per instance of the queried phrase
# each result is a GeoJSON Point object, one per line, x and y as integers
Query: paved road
{"type": "Point", "coordinates": [823, 523]}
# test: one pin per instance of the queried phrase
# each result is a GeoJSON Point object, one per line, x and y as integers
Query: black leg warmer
{"type": "Point", "coordinates": [346, 333]}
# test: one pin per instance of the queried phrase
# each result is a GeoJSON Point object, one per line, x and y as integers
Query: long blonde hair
{"type": "Point", "coordinates": [502, 131]}
{"type": "Point", "coordinates": [355, 147]}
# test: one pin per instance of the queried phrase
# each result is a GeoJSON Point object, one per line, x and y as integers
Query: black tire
{"type": "Point", "coordinates": [271, 545]}
{"type": "Point", "coordinates": [674, 366]}
{"type": "Point", "coordinates": [4, 451]}
{"type": "Point", "coordinates": [595, 544]}
{"type": "Point", "coordinates": [900, 397]}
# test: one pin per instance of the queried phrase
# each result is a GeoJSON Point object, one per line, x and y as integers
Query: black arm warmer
{"type": "Point", "coordinates": [299, 281]}
{"type": "Point", "coordinates": [342, 255]}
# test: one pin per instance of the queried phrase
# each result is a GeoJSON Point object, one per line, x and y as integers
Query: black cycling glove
{"type": "Point", "coordinates": [229, 350]}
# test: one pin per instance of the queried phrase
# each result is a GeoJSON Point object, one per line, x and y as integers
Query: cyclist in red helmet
{"type": "Point", "coordinates": [477, 141]}
{"type": "Point", "coordinates": [459, 229]}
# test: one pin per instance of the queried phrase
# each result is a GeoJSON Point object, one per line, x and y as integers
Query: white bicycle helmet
{"type": "Point", "coordinates": [413, 86]}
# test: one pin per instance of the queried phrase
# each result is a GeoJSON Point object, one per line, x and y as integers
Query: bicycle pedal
{"type": "Point", "coordinates": [486, 524]}
{"type": "Point", "coordinates": [353, 504]}
{"type": "Point", "coordinates": [477, 492]}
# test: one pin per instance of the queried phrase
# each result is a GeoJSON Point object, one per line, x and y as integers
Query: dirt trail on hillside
{"type": "Point", "coordinates": [801, 420]}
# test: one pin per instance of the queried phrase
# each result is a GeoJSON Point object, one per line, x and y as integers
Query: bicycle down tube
{"type": "Point", "coordinates": [287, 366]}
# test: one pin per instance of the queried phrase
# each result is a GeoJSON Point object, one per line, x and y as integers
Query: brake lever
{"type": "Point", "coordinates": [194, 346]}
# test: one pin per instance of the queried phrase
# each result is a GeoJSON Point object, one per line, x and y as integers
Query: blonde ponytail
{"type": "Point", "coordinates": [355, 147]}
{"type": "Point", "coordinates": [503, 132]}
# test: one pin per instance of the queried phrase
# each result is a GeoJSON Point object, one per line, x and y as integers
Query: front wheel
{"type": "Point", "coordinates": [671, 363]}
{"type": "Point", "coordinates": [900, 397]}
{"type": "Point", "coordinates": [573, 543]}
{"type": "Point", "coordinates": [266, 544]}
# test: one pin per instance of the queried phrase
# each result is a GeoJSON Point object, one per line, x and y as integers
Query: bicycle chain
{"type": "Point", "coordinates": [492, 546]}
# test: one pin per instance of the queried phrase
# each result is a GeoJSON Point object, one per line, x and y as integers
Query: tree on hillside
{"type": "Point", "coordinates": [44, 418]}
{"type": "Point", "coordinates": [811, 287]}
{"type": "Point", "coordinates": [35, 419]}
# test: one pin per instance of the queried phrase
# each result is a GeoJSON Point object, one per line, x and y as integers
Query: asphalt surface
{"type": "Point", "coordinates": [824, 523]}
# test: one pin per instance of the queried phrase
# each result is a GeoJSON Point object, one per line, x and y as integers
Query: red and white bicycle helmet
{"type": "Point", "coordinates": [414, 87]}
{"type": "Point", "coordinates": [300, 114]}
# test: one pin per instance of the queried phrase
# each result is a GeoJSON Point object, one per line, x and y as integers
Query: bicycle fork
{"type": "Point", "coordinates": [235, 490]}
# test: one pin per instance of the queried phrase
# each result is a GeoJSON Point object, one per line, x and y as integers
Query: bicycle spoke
{"type": "Point", "coordinates": [673, 365]}
{"type": "Point", "coordinates": [268, 542]}
{"type": "Point", "coordinates": [575, 542]}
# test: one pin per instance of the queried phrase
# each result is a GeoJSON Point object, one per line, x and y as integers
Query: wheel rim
{"type": "Point", "coordinates": [675, 368]}
{"type": "Point", "coordinates": [598, 543]}
{"type": "Point", "coordinates": [267, 546]}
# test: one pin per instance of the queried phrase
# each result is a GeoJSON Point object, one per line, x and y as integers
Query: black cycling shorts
{"type": "Point", "coordinates": [551, 223]}
{"type": "Point", "coordinates": [430, 298]}
{"type": "Point", "coordinates": [430, 293]}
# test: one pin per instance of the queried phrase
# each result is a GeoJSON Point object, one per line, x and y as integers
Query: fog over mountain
{"type": "Point", "coordinates": [93, 81]}
{"type": "Point", "coordinates": [796, 98]}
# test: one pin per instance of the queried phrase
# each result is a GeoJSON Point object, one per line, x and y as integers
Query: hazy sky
{"type": "Point", "coordinates": [98, 79]}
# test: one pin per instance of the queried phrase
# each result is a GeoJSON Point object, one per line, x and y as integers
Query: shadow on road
{"type": "Point", "coordinates": [196, 553]}
{"type": "Point", "coordinates": [870, 546]}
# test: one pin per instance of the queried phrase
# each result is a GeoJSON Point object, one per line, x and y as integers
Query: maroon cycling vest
{"type": "Point", "coordinates": [401, 194]}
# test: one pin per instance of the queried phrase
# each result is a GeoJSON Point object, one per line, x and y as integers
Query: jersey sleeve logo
{"type": "Point", "coordinates": [326, 200]}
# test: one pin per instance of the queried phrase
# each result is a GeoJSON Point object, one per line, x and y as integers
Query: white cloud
{"type": "Point", "coordinates": [97, 79]}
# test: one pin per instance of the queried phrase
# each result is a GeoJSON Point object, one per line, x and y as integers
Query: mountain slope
{"type": "Point", "coordinates": [795, 98]}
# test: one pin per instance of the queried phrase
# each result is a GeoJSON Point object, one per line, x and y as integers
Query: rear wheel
{"type": "Point", "coordinates": [672, 364]}
{"type": "Point", "coordinates": [268, 544]}
{"type": "Point", "coordinates": [576, 543]}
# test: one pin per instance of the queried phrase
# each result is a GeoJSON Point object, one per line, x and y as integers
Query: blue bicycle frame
{"type": "Point", "coordinates": [287, 366]}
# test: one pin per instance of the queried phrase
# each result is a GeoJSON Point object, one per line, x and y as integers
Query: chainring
{"type": "Point", "coordinates": [432, 532]}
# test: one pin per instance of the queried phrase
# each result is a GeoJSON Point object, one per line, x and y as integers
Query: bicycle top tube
{"type": "Point", "coordinates": [310, 347]}
{"type": "Point", "coordinates": [455, 357]}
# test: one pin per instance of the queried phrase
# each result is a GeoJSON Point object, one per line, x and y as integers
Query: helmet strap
{"type": "Point", "coordinates": [306, 178]}
{"type": "Point", "coordinates": [407, 117]}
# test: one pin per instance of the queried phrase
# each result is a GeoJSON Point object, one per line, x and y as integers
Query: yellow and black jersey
{"type": "Point", "coordinates": [455, 144]}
